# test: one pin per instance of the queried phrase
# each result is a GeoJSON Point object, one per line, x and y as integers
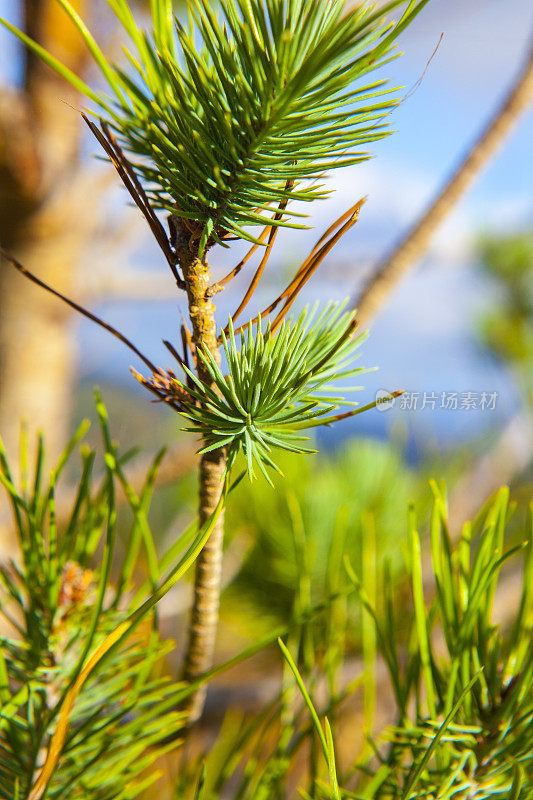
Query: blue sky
{"type": "Point", "coordinates": [423, 340]}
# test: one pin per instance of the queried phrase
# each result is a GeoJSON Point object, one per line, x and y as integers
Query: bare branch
{"type": "Point", "coordinates": [397, 264]}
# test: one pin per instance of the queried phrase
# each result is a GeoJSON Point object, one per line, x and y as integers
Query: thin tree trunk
{"type": "Point", "coordinates": [397, 264]}
{"type": "Point", "coordinates": [204, 614]}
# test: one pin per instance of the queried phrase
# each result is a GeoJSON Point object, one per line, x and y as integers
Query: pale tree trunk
{"type": "Point", "coordinates": [208, 569]}
{"type": "Point", "coordinates": [41, 148]}
{"type": "Point", "coordinates": [44, 221]}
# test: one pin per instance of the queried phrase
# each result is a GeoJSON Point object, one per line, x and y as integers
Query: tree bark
{"type": "Point", "coordinates": [204, 614]}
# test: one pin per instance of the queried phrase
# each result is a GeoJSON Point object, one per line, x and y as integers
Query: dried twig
{"type": "Point", "coordinates": [219, 285]}
{"type": "Point", "coordinates": [315, 259]}
{"type": "Point", "coordinates": [261, 268]}
{"type": "Point", "coordinates": [309, 266]}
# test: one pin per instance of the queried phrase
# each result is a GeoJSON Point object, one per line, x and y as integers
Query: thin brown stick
{"type": "Point", "coordinates": [80, 309]}
{"type": "Point", "coordinates": [257, 275]}
{"type": "Point", "coordinates": [298, 284]}
{"type": "Point", "coordinates": [397, 264]}
{"type": "Point", "coordinates": [188, 344]}
{"type": "Point", "coordinates": [172, 350]}
{"type": "Point", "coordinates": [134, 179]}
{"type": "Point", "coordinates": [318, 253]}
{"type": "Point", "coordinates": [354, 210]}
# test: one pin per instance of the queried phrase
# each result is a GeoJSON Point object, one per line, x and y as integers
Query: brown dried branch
{"type": "Point", "coordinates": [397, 264]}
{"type": "Point", "coordinates": [261, 268]}
{"type": "Point", "coordinates": [187, 343]}
{"type": "Point", "coordinates": [219, 285]}
{"type": "Point", "coordinates": [170, 347]}
{"type": "Point", "coordinates": [315, 259]}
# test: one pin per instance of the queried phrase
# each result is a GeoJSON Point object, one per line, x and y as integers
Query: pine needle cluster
{"type": "Point", "coordinates": [471, 736]}
{"type": "Point", "coordinates": [276, 385]}
{"type": "Point", "coordinates": [244, 108]}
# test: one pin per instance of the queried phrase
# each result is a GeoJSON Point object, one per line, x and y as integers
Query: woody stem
{"type": "Point", "coordinates": [204, 614]}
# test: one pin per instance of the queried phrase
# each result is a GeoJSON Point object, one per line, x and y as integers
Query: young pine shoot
{"type": "Point", "coordinates": [222, 118]}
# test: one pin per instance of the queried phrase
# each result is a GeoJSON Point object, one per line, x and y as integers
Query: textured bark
{"type": "Point", "coordinates": [204, 614]}
{"type": "Point", "coordinates": [397, 264]}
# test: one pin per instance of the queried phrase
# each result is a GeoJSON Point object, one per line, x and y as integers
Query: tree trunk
{"type": "Point", "coordinates": [38, 222]}
{"type": "Point", "coordinates": [44, 220]}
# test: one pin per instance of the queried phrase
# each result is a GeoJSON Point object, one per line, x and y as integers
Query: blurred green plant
{"type": "Point", "coordinates": [471, 735]}
{"type": "Point", "coordinates": [463, 689]}
{"type": "Point", "coordinates": [507, 328]}
{"type": "Point", "coordinates": [297, 534]}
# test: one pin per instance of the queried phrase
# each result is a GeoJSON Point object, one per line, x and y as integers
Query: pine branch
{"type": "Point", "coordinates": [220, 150]}
{"type": "Point", "coordinates": [226, 120]}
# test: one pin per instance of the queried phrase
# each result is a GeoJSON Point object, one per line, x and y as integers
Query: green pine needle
{"type": "Point", "coordinates": [223, 114]}
{"type": "Point", "coordinates": [276, 385]}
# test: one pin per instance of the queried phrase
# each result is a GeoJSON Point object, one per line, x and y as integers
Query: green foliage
{"type": "Point", "coordinates": [507, 328]}
{"type": "Point", "coordinates": [463, 689]}
{"type": "Point", "coordinates": [272, 387]}
{"type": "Point", "coordinates": [230, 114]}
{"type": "Point", "coordinates": [62, 613]}
{"type": "Point", "coordinates": [298, 533]}
{"type": "Point", "coordinates": [472, 685]}
{"type": "Point", "coordinates": [55, 604]}
{"type": "Point", "coordinates": [227, 118]}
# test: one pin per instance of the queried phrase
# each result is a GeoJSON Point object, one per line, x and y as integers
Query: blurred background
{"type": "Point", "coordinates": [456, 334]}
